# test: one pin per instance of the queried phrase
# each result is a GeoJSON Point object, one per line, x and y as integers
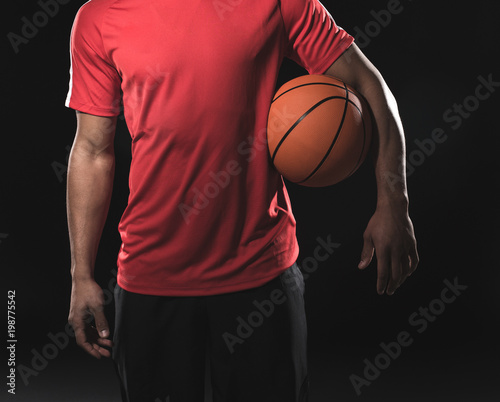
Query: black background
{"type": "Point", "coordinates": [431, 54]}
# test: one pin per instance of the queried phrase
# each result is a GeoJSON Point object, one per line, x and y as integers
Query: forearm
{"type": "Point", "coordinates": [388, 145]}
{"type": "Point", "coordinates": [389, 233]}
{"type": "Point", "coordinates": [89, 189]}
{"type": "Point", "coordinates": [388, 137]}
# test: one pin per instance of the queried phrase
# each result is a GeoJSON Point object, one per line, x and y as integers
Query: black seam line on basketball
{"type": "Point", "coordinates": [309, 83]}
{"type": "Point", "coordinates": [299, 120]}
{"type": "Point", "coordinates": [364, 133]}
{"type": "Point", "coordinates": [334, 139]}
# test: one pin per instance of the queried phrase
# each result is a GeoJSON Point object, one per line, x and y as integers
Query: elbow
{"type": "Point", "coordinates": [92, 158]}
{"type": "Point", "coordinates": [372, 86]}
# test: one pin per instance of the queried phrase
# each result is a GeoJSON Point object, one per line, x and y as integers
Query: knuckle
{"type": "Point", "coordinates": [101, 324]}
{"type": "Point", "coordinates": [98, 307]}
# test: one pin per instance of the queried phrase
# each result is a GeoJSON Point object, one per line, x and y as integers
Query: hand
{"type": "Point", "coordinates": [390, 235]}
{"type": "Point", "coordinates": [87, 301]}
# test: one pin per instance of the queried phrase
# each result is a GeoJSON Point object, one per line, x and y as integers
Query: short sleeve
{"type": "Point", "coordinates": [314, 40]}
{"type": "Point", "coordinates": [94, 85]}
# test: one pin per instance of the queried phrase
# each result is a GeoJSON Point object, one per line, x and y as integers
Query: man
{"type": "Point", "coordinates": [208, 233]}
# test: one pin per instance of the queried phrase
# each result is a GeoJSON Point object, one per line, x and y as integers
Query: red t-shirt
{"type": "Point", "coordinates": [207, 212]}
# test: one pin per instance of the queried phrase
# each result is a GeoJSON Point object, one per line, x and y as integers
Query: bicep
{"type": "Point", "coordinates": [354, 68]}
{"type": "Point", "coordinates": [94, 134]}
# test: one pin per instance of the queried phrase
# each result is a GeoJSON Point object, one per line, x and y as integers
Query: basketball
{"type": "Point", "coordinates": [318, 130]}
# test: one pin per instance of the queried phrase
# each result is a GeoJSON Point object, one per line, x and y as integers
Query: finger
{"type": "Point", "coordinates": [81, 340]}
{"type": "Point", "coordinates": [80, 336]}
{"type": "Point", "coordinates": [366, 254]}
{"type": "Point", "coordinates": [396, 274]}
{"type": "Point", "coordinates": [383, 272]}
{"type": "Point", "coordinates": [414, 260]}
{"type": "Point", "coordinates": [101, 323]}
{"type": "Point", "coordinates": [405, 268]}
{"type": "Point", "coordinates": [103, 352]}
{"type": "Point", "coordinates": [104, 342]}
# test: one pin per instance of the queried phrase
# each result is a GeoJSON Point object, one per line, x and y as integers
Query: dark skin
{"type": "Point", "coordinates": [90, 182]}
{"type": "Point", "coordinates": [389, 234]}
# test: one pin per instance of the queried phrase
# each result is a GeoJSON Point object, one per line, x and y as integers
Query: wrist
{"type": "Point", "coordinates": [82, 274]}
{"type": "Point", "coordinates": [395, 202]}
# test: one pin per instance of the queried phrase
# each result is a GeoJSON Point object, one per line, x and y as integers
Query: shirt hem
{"type": "Point", "coordinates": [339, 51]}
{"type": "Point", "coordinates": [96, 111]}
{"type": "Point", "coordinates": [202, 291]}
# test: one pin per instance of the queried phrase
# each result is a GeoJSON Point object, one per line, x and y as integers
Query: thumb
{"type": "Point", "coordinates": [101, 323]}
{"type": "Point", "coordinates": [366, 254]}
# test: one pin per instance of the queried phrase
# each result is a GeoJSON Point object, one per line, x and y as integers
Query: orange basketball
{"type": "Point", "coordinates": [318, 130]}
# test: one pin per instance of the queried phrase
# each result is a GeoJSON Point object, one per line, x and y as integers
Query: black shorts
{"type": "Point", "coordinates": [255, 342]}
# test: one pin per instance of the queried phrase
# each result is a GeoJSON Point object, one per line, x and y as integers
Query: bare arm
{"type": "Point", "coordinates": [390, 231]}
{"type": "Point", "coordinates": [90, 182]}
